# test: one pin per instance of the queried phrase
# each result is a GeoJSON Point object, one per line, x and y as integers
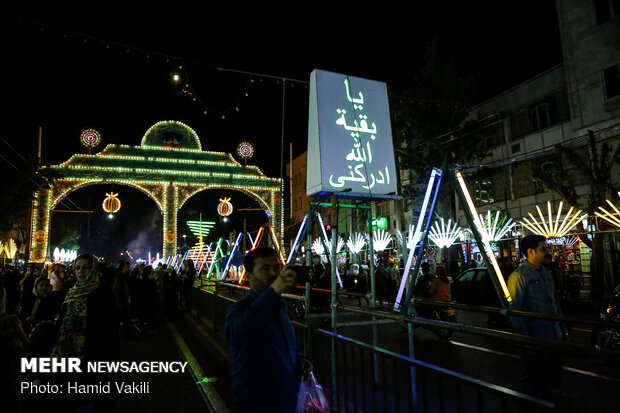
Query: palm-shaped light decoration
{"type": "Point", "coordinates": [409, 241]}
{"type": "Point", "coordinates": [355, 243]}
{"type": "Point", "coordinates": [10, 248]}
{"type": "Point", "coordinates": [339, 245]}
{"type": "Point", "coordinates": [317, 247]}
{"type": "Point", "coordinates": [613, 219]}
{"type": "Point", "coordinates": [443, 236]}
{"type": "Point", "coordinates": [380, 240]}
{"type": "Point", "coordinates": [552, 228]}
{"type": "Point", "coordinates": [495, 226]}
{"type": "Point", "coordinates": [571, 240]}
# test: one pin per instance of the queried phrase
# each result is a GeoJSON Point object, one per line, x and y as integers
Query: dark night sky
{"type": "Point", "coordinates": [52, 78]}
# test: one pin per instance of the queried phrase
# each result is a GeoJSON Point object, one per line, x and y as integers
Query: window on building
{"type": "Point", "coordinates": [611, 76]}
{"type": "Point", "coordinates": [520, 124]}
{"type": "Point", "coordinates": [540, 116]}
{"type": "Point", "coordinates": [489, 137]}
{"type": "Point", "coordinates": [605, 10]}
{"type": "Point", "coordinates": [549, 111]}
{"type": "Point", "coordinates": [483, 192]}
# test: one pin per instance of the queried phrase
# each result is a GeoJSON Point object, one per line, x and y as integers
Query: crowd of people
{"type": "Point", "coordinates": [77, 310]}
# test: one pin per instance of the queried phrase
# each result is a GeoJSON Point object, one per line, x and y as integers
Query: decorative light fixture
{"type": "Point", "coordinates": [356, 242]}
{"type": "Point", "coordinates": [432, 187]}
{"type": "Point", "coordinates": [444, 236]}
{"type": "Point", "coordinates": [380, 240]}
{"type": "Point", "coordinates": [495, 226]}
{"type": "Point", "coordinates": [608, 216]}
{"type": "Point", "coordinates": [410, 237]}
{"type": "Point", "coordinates": [572, 240]}
{"type": "Point", "coordinates": [111, 204]}
{"type": "Point", "coordinates": [485, 239]}
{"type": "Point", "coordinates": [550, 227]}
{"type": "Point", "coordinates": [317, 247]}
{"type": "Point", "coordinates": [245, 150]}
{"type": "Point", "coordinates": [168, 177]}
{"type": "Point", "coordinates": [225, 208]}
{"type": "Point", "coordinates": [10, 249]}
{"type": "Point", "coordinates": [90, 138]}
{"type": "Point", "coordinates": [339, 245]}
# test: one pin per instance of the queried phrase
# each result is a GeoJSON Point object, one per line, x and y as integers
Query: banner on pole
{"type": "Point", "coordinates": [350, 149]}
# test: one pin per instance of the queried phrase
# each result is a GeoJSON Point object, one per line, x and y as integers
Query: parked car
{"type": "Point", "coordinates": [474, 287]}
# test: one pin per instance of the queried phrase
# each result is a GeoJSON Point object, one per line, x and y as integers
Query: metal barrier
{"type": "Point", "coordinates": [365, 385]}
{"type": "Point", "coordinates": [361, 377]}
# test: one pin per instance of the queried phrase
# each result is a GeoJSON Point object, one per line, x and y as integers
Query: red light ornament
{"type": "Point", "coordinates": [90, 138]}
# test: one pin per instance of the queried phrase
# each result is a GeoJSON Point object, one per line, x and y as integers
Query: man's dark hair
{"type": "Point", "coordinates": [260, 252]}
{"type": "Point", "coordinates": [425, 266]}
{"type": "Point", "coordinates": [530, 242]}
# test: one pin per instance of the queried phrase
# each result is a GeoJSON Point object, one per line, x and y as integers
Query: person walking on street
{"type": "Point", "coordinates": [266, 364]}
{"type": "Point", "coordinates": [532, 289]}
{"type": "Point", "coordinates": [440, 286]}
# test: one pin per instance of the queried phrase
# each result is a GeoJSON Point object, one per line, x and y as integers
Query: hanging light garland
{"type": "Point", "coordinates": [111, 204]}
{"type": "Point", "coordinates": [180, 71]}
{"type": "Point", "coordinates": [551, 227]}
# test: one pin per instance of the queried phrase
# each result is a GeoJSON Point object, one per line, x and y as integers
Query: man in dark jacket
{"type": "Point", "coordinates": [266, 364]}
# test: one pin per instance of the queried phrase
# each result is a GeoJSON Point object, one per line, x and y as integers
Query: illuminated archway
{"type": "Point", "coordinates": [169, 166]}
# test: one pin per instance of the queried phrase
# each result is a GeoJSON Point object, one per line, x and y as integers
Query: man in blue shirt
{"type": "Point", "coordinates": [266, 364]}
{"type": "Point", "coordinates": [531, 288]}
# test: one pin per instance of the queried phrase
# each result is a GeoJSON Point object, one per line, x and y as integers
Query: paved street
{"type": "Point", "coordinates": [206, 383]}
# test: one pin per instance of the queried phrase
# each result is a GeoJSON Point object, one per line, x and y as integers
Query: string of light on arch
{"type": "Point", "coordinates": [188, 89]}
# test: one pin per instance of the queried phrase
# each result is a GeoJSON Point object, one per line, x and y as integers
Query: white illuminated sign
{"type": "Point", "coordinates": [349, 137]}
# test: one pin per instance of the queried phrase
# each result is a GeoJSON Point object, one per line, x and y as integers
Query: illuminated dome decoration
{"type": "Point", "coordinates": [90, 138]}
{"type": "Point", "coordinates": [608, 216]}
{"type": "Point", "coordinates": [245, 150]}
{"type": "Point", "coordinates": [225, 208]}
{"type": "Point", "coordinates": [111, 204]}
{"type": "Point", "coordinates": [171, 134]}
{"type": "Point", "coordinates": [550, 227]}
{"type": "Point", "coordinates": [444, 236]}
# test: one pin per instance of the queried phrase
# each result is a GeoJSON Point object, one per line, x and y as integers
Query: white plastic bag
{"type": "Point", "coordinates": [311, 397]}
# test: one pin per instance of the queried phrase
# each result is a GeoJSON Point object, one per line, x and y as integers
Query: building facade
{"type": "Point", "coordinates": [557, 123]}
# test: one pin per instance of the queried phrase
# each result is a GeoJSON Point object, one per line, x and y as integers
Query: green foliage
{"type": "Point", "coordinates": [599, 170]}
{"type": "Point", "coordinates": [428, 118]}
{"type": "Point", "coordinates": [554, 179]}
